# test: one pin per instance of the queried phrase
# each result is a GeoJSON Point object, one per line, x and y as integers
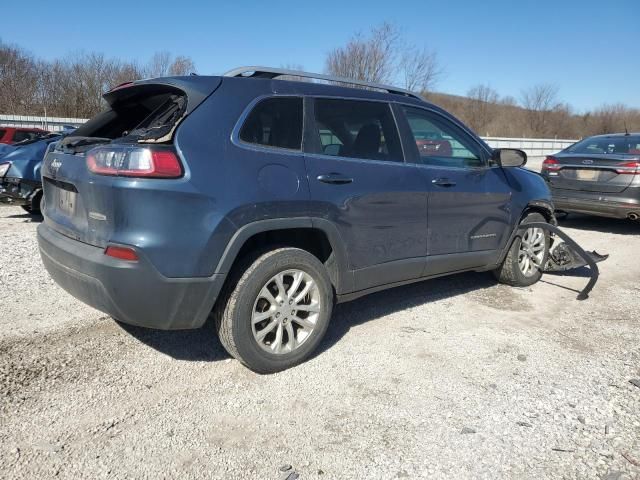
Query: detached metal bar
{"type": "Point", "coordinates": [595, 271]}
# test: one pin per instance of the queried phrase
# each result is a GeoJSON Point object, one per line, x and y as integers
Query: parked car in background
{"type": "Point", "coordinates": [599, 175]}
{"type": "Point", "coordinates": [20, 181]}
{"type": "Point", "coordinates": [198, 194]}
{"type": "Point", "coordinates": [12, 135]}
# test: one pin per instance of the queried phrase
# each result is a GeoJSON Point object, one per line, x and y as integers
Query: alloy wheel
{"type": "Point", "coordinates": [286, 311]}
{"type": "Point", "coordinates": [532, 251]}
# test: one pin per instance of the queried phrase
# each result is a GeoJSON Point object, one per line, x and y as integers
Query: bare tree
{"type": "Point", "coordinates": [162, 64]}
{"type": "Point", "coordinates": [158, 65]}
{"type": "Point", "coordinates": [481, 107]}
{"type": "Point", "coordinates": [182, 65]}
{"type": "Point", "coordinates": [610, 118]}
{"type": "Point", "coordinates": [539, 101]}
{"type": "Point", "coordinates": [369, 59]}
{"type": "Point", "coordinates": [420, 69]}
{"type": "Point", "coordinates": [18, 80]}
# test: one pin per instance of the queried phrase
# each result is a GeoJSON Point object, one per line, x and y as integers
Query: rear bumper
{"type": "Point", "coordinates": [130, 292]}
{"type": "Point", "coordinates": [615, 205]}
{"type": "Point", "coordinates": [14, 191]}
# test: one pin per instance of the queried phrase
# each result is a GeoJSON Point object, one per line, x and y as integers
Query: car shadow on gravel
{"type": "Point", "coordinates": [28, 217]}
{"type": "Point", "coordinates": [600, 224]}
{"type": "Point", "coordinates": [376, 305]}
{"type": "Point", "coordinates": [201, 345]}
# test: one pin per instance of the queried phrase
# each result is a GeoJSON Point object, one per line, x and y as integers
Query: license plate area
{"type": "Point", "coordinates": [67, 202]}
{"type": "Point", "coordinates": [587, 175]}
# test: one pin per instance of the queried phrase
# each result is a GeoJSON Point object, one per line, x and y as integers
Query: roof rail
{"type": "Point", "coordinates": [268, 72]}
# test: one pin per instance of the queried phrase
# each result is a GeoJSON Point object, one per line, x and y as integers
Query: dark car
{"type": "Point", "coordinates": [20, 181]}
{"type": "Point", "coordinates": [599, 175]}
{"type": "Point", "coordinates": [10, 135]}
{"type": "Point", "coordinates": [198, 194]}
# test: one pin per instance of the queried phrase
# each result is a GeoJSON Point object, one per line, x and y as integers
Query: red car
{"type": "Point", "coordinates": [18, 134]}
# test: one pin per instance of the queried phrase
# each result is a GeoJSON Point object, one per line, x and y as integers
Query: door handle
{"type": "Point", "coordinates": [334, 179]}
{"type": "Point", "coordinates": [443, 182]}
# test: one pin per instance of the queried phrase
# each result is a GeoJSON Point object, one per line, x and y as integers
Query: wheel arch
{"type": "Point", "coordinates": [316, 235]}
{"type": "Point", "coordinates": [542, 207]}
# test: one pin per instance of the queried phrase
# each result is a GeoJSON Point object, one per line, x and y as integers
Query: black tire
{"type": "Point", "coordinates": [34, 207]}
{"type": "Point", "coordinates": [509, 272]}
{"type": "Point", "coordinates": [234, 309]}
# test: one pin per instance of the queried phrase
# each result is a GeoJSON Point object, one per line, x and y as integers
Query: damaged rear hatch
{"type": "Point", "coordinates": [93, 176]}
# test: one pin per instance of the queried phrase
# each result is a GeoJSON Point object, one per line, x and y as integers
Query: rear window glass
{"type": "Point", "coordinates": [148, 114]}
{"type": "Point", "coordinates": [275, 122]}
{"type": "Point", "coordinates": [622, 145]}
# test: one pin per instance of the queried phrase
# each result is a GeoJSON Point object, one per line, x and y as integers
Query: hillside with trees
{"type": "Point", "coordinates": [73, 87]}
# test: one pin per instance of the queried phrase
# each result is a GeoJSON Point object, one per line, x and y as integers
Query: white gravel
{"type": "Point", "coordinates": [453, 378]}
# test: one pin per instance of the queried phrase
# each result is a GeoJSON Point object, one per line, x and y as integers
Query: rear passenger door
{"type": "Point", "coordinates": [469, 201]}
{"type": "Point", "coordinates": [359, 181]}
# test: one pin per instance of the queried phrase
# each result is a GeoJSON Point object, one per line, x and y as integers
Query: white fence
{"type": "Point", "coordinates": [53, 124]}
{"type": "Point", "coordinates": [537, 148]}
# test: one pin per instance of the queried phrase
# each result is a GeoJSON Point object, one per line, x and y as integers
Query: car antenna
{"type": "Point", "coordinates": [626, 131]}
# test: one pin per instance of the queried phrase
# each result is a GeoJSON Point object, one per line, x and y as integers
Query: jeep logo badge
{"type": "Point", "coordinates": [55, 166]}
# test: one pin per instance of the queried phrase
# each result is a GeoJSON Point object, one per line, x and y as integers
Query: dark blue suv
{"type": "Point", "coordinates": [263, 202]}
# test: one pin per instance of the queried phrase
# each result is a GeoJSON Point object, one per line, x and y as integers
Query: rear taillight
{"type": "Point", "coordinates": [628, 168]}
{"type": "Point", "coordinates": [121, 253]}
{"type": "Point", "coordinates": [550, 164]}
{"type": "Point", "coordinates": [133, 161]}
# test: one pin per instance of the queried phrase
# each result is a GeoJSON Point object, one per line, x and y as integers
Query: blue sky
{"type": "Point", "coordinates": [588, 49]}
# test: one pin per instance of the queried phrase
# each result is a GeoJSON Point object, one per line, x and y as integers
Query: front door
{"type": "Point", "coordinates": [469, 201]}
{"type": "Point", "coordinates": [359, 181]}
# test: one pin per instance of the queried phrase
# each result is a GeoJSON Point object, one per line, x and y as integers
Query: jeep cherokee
{"type": "Point", "coordinates": [264, 201]}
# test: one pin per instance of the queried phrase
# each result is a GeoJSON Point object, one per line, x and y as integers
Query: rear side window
{"type": "Point", "coordinates": [2, 133]}
{"type": "Point", "coordinates": [275, 122]}
{"type": "Point", "coordinates": [357, 129]}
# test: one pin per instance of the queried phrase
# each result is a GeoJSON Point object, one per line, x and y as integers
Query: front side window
{"type": "Point", "coordinates": [357, 129]}
{"type": "Point", "coordinates": [439, 142]}
{"type": "Point", "coordinates": [275, 122]}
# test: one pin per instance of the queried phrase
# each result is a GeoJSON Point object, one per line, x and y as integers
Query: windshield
{"type": "Point", "coordinates": [618, 145]}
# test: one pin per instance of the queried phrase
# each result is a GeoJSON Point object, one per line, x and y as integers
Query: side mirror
{"type": "Point", "coordinates": [509, 157]}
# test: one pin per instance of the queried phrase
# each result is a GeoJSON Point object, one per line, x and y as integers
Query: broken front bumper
{"type": "Point", "coordinates": [18, 191]}
{"type": "Point", "coordinates": [567, 255]}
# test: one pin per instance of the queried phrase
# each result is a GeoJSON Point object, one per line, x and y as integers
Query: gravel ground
{"type": "Point", "coordinates": [453, 378]}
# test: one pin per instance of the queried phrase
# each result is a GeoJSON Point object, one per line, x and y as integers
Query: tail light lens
{"type": "Point", "coordinates": [550, 164]}
{"type": "Point", "coordinates": [628, 168]}
{"type": "Point", "coordinates": [121, 253]}
{"type": "Point", "coordinates": [130, 161]}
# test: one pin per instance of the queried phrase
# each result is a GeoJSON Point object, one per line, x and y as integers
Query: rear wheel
{"type": "Point", "coordinates": [34, 207]}
{"type": "Point", "coordinates": [524, 264]}
{"type": "Point", "coordinates": [276, 314]}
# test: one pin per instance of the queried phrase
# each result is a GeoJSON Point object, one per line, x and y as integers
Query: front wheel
{"type": "Point", "coordinates": [528, 255]}
{"type": "Point", "coordinates": [276, 314]}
